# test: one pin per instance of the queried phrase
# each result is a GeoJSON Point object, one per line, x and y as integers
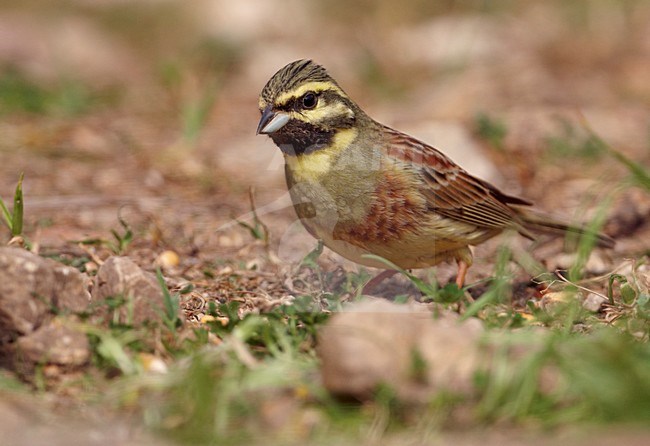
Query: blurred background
{"type": "Point", "coordinates": [150, 106]}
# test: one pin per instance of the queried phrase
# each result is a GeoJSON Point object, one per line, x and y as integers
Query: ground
{"type": "Point", "coordinates": [134, 125]}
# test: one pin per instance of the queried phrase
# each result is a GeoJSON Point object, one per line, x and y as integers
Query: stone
{"type": "Point", "coordinates": [556, 302]}
{"type": "Point", "coordinates": [594, 302]}
{"type": "Point", "coordinates": [70, 288]}
{"type": "Point", "coordinates": [55, 343]}
{"type": "Point", "coordinates": [597, 263]}
{"type": "Point", "coordinates": [28, 419]}
{"type": "Point", "coordinates": [377, 342]}
{"type": "Point", "coordinates": [31, 286]}
{"type": "Point", "coordinates": [121, 277]}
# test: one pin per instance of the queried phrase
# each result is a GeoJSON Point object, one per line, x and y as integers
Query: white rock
{"type": "Point", "coordinates": [593, 302]}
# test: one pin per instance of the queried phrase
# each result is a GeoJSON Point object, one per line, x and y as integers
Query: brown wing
{"type": "Point", "coordinates": [450, 190]}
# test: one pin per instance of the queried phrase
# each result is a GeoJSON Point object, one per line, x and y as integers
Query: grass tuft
{"type": "Point", "coordinates": [490, 129]}
{"type": "Point", "coordinates": [67, 97]}
{"type": "Point", "coordinates": [14, 218]}
{"type": "Point", "coordinates": [171, 303]}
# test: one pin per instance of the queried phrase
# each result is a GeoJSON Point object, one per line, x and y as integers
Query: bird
{"type": "Point", "coordinates": [364, 188]}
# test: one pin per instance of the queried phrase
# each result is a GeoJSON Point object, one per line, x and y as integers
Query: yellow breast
{"type": "Point", "coordinates": [313, 166]}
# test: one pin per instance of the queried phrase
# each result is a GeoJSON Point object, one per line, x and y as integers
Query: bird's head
{"type": "Point", "coordinates": [303, 108]}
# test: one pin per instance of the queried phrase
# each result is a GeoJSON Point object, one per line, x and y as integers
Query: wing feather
{"type": "Point", "coordinates": [450, 190]}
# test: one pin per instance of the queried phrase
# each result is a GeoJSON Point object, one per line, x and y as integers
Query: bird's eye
{"type": "Point", "coordinates": [309, 100]}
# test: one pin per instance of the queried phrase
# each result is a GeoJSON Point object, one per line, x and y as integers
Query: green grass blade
{"type": "Point", "coordinates": [499, 288]}
{"type": "Point", "coordinates": [195, 113]}
{"type": "Point", "coordinates": [17, 217]}
{"type": "Point", "coordinates": [428, 290]}
{"type": "Point", "coordinates": [640, 175]}
{"type": "Point", "coordinates": [588, 240]}
{"type": "Point", "coordinates": [171, 303]}
{"type": "Point", "coordinates": [312, 257]}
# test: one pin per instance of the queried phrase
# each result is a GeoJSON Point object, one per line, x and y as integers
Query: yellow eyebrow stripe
{"type": "Point", "coordinates": [316, 87]}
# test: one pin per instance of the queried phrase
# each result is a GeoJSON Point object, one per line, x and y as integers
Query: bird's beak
{"type": "Point", "coordinates": [272, 121]}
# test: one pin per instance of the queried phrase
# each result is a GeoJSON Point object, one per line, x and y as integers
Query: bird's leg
{"type": "Point", "coordinates": [463, 266]}
{"type": "Point", "coordinates": [372, 283]}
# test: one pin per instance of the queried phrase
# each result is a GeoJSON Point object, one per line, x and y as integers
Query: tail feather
{"type": "Point", "coordinates": [540, 223]}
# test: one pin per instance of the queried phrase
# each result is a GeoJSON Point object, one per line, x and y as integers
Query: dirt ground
{"type": "Point", "coordinates": [145, 112]}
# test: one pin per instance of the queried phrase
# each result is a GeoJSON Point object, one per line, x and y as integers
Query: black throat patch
{"type": "Point", "coordinates": [301, 138]}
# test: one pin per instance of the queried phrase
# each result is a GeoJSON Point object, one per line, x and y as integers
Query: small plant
{"type": "Point", "coordinates": [19, 94]}
{"type": "Point", "coordinates": [588, 241]}
{"type": "Point", "coordinates": [450, 293]}
{"type": "Point", "coordinates": [561, 377]}
{"type": "Point", "coordinates": [112, 348]}
{"type": "Point", "coordinates": [312, 256]}
{"type": "Point", "coordinates": [120, 242]}
{"type": "Point", "coordinates": [14, 218]}
{"type": "Point", "coordinates": [639, 175]}
{"type": "Point", "coordinates": [171, 303]}
{"type": "Point", "coordinates": [576, 143]}
{"type": "Point", "coordinates": [427, 289]}
{"type": "Point", "coordinates": [500, 287]}
{"type": "Point", "coordinates": [490, 129]}
{"type": "Point", "coordinates": [195, 113]}
{"type": "Point", "coordinates": [258, 230]}
{"type": "Point", "coordinates": [626, 289]}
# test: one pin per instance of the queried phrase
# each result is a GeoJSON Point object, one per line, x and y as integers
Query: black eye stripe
{"type": "Point", "coordinates": [295, 102]}
{"type": "Point", "coordinates": [329, 96]}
